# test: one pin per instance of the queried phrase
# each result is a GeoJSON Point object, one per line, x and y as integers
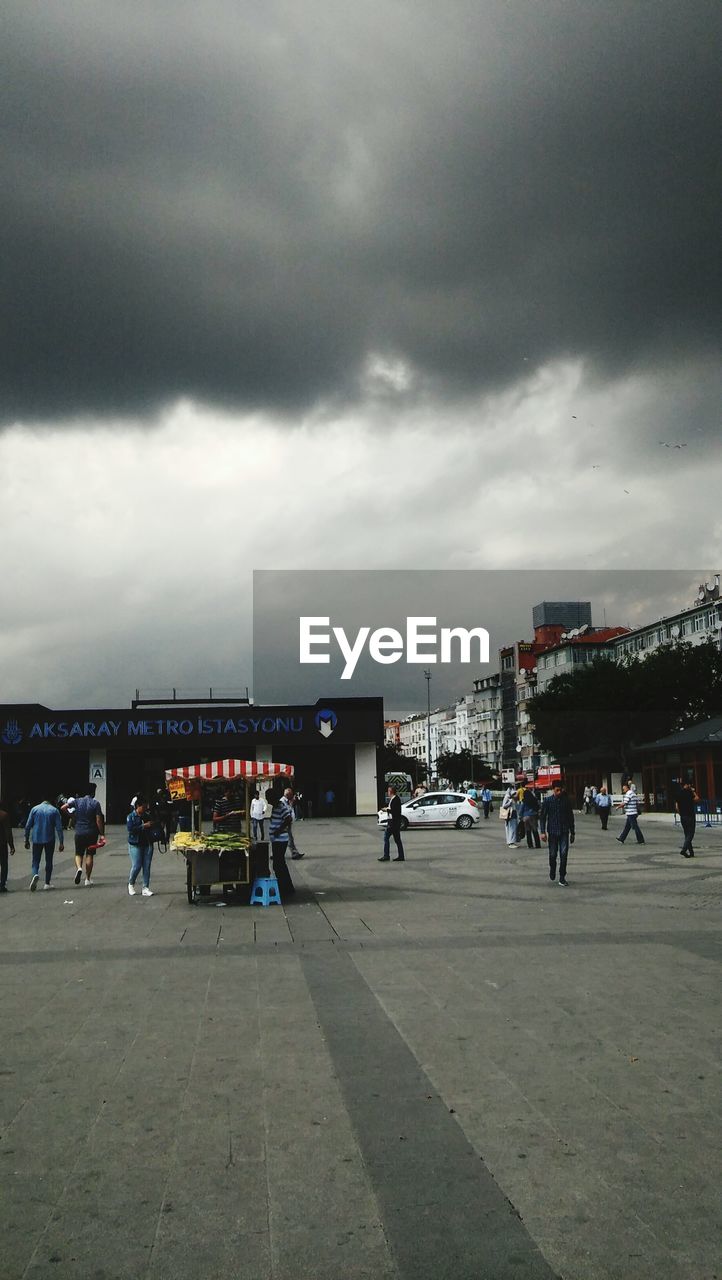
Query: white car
{"type": "Point", "coordinates": [437, 809]}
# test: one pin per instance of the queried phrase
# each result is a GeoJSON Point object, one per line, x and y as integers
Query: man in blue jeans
{"type": "Point", "coordinates": [630, 805]}
{"type": "Point", "coordinates": [140, 847]}
{"type": "Point", "coordinates": [44, 824]}
{"type": "Point", "coordinates": [556, 822]}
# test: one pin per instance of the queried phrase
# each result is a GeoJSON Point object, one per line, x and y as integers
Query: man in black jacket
{"type": "Point", "coordinates": [557, 825]}
{"type": "Point", "coordinates": [686, 806]}
{"type": "Point", "coordinates": [393, 828]}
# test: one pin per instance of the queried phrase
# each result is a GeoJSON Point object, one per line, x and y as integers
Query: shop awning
{"type": "Point", "coordinates": [231, 769]}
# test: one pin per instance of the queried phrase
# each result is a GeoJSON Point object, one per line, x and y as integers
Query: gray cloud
{"type": "Point", "coordinates": [242, 204]}
{"type": "Point", "coordinates": [499, 600]}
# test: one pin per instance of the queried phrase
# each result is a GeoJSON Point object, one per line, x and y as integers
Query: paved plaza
{"type": "Point", "coordinates": [445, 1068]}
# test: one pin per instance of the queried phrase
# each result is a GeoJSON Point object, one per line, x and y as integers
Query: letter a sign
{"type": "Point", "coordinates": [97, 773]}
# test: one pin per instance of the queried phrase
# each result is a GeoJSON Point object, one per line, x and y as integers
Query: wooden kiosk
{"type": "Point", "coordinates": [233, 861]}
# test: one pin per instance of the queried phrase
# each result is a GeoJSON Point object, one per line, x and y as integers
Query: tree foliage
{"type": "Point", "coordinates": [460, 766]}
{"type": "Point", "coordinates": [613, 706]}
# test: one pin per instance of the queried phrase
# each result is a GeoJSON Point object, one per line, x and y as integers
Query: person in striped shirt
{"type": "Point", "coordinates": [630, 805]}
{"type": "Point", "coordinates": [278, 829]}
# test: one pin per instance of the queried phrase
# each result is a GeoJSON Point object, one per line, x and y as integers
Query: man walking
{"type": "Point", "coordinates": [685, 806]}
{"type": "Point", "coordinates": [557, 827]}
{"type": "Point", "coordinates": [486, 799]}
{"type": "Point", "coordinates": [393, 828]}
{"type": "Point", "coordinates": [630, 805]}
{"type": "Point", "coordinates": [44, 824]}
{"type": "Point", "coordinates": [89, 825]}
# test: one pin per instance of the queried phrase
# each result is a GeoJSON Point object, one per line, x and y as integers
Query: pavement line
{"type": "Point", "coordinates": [706, 944]}
{"type": "Point", "coordinates": [443, 1213]}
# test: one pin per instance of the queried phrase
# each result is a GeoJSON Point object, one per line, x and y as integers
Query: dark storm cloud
{"type": "Point", "coordinates": [240, 202]}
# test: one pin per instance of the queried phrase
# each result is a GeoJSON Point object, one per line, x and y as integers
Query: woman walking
{"type": "Point", "coordinates": [508, 813]}
{"type": "Point", "coordinates": [140, 846]}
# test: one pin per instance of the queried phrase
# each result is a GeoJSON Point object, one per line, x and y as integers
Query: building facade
{"type": "Point", "coordinates": [330, 746]}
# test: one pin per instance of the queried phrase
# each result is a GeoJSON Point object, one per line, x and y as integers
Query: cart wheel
{"type": "Point", "coordinates": [189, 883]}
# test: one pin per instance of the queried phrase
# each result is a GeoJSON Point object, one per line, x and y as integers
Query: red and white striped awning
{"type": "Point", "coordinates": [231, 769]}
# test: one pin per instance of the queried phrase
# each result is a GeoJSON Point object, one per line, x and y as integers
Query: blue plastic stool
{"type": "Point", "coordinates": [264, 892]}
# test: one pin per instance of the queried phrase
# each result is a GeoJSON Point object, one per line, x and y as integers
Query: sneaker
{"type": "Point", "coordinates": [48, 886]}
{"type": "Point", "coordinates": [3, 888]}
{"type": "Point", "coordinates": [384, 859]}
{"type": "Point", "coordinates": [295, 856]}
{"type": "Point", "coordinates": [34, 882]}
{"type": "Point", "coordinates": [146, 892]}
{"type": "Point", "coordinates": [564, 882]}
{"type": "Point", "coordinates": [88, 883]}
{"type": "Point", "coordinates": [131, 890]}
{"type": "Point", "coordinates": [78, 875]}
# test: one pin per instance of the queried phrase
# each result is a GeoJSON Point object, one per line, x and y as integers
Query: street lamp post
{"type": "Point", "coordinates": [427, 677]}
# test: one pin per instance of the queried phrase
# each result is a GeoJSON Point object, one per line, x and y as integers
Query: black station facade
{"type": "Point", "coordinates": [331, 745]}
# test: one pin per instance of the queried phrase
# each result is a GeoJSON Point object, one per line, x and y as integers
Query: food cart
{"type": "Point", "coordinates": [231, 860]}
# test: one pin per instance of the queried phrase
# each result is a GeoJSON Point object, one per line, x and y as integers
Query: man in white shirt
{"type": "Point", "coordinates": [258, 814]}
{"type": "Point", "coordinates": [630, 804]}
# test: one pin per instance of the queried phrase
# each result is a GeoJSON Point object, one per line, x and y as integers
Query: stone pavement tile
{"type": "Point", "coordinates": [532, 1074]}
{"type": "Point", "coordinates": [104, 1224]}
{"type": "Point", "coordinates": [521, 1009]}
{"type": "Point", "coordinates": [442, 1211]}
{"type": "Point", "coordinates": [204, 1236]}
{"type": "Point", "coordinates": [324, 1219]}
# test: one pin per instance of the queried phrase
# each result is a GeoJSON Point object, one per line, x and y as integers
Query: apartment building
{"type": "Point", "coordinates": [575, 648]}
{"type": "Point", "coordinates": [494, 721]}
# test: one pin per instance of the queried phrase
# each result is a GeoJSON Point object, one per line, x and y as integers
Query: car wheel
{"type": "Point", "coordinates": [404, 824]}
{"type": "Point", "coordinates": [464, 822]}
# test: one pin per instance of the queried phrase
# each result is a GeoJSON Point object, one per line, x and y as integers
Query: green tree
{"type": "Point", "coordinates": [613, 706]}
{"type": "Point", "coordinates": [460, 766]}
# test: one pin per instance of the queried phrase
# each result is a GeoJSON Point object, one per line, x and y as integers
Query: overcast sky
{"type": "Point", "coordinates": [343, 286]}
